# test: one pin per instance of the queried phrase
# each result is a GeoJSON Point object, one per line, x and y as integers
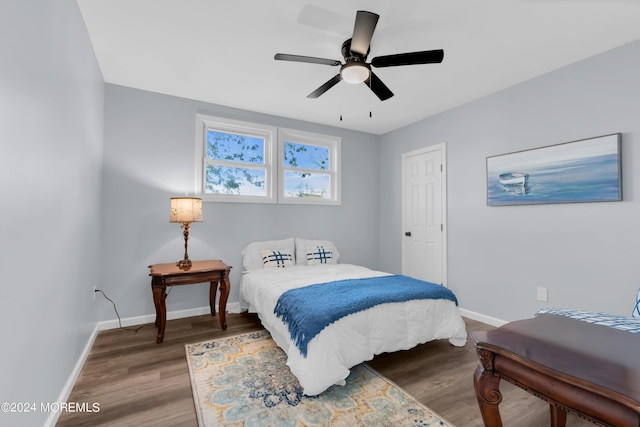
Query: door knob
{"type": "Point", "coordinates": [408, 233]}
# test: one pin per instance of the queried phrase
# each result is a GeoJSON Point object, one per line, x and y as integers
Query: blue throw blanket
{"type": "Point", "coordinates": [308, 310]}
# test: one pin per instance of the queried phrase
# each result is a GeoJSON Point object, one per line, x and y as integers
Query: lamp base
{"type": "Point", "coordinates": [184, 264]}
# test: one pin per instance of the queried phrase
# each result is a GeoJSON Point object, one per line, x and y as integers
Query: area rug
{"type": "Point", "coordinates": [243, 380]}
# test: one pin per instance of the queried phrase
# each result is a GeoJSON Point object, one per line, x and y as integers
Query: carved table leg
{"type": "Point", "coordinates": [213, 290]}
{"type": "Point", "coordinates": [224, 294]}
{"type": "Point", "coordinates": [558, 416]}
{"type": "Point", "coordinates": [159, 297]}
{"type": "Point", "coordinates": [487, 387]}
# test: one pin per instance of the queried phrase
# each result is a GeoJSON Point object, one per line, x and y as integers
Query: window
{"type": "Point", "coordinates": [235, 160]}
{"type": "Point", "coordinates": [308, 168]}
{"type": "Point", "coordinates": [240, 162]}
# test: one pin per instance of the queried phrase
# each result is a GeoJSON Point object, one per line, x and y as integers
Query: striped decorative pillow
{"type": "Point", "coordinates": [277, 258]}
{"type": "Point", "coordinates": [320, 255]}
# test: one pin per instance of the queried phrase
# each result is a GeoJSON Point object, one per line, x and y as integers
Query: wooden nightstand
{"type": "Point", "coordinates": [162, 275]}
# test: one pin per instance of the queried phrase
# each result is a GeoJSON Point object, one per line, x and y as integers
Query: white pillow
{"type": "Point", "coordinates": [252, 253]}
{"type": "Point", "coordinates": [303, 244]}
{"type": "Point", "coordinates": [320, 255]}
{"type": "Point", "coordinates": [276, 258]}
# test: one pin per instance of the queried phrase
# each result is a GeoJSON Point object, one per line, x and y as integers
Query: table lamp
{"type": "Point", "coordinates": [185, 210]}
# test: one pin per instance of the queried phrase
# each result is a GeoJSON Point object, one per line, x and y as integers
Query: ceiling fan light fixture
{"type": "Point", "coordinates": [355, 72]}
{"type": "Point", "coordinates": [355, 52]}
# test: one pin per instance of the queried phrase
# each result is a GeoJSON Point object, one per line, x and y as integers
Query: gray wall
{"type": "Point", "coordinates": [51, 119]}
{"type": "Point", "coordinates": [149, 157]}
{"type": "Point", "coordinates": [586, 254]}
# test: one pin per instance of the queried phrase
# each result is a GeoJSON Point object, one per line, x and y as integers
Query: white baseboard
{"type": "Point", "coordinates": [233, 307]}
{"type": "Point", "coordinates": [482, 318]}
{"type": "Point", "coordinates": [52, 420]}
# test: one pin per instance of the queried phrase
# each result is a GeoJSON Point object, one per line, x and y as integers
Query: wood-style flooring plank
{"type": "Point", "coordinates": [140, 383]}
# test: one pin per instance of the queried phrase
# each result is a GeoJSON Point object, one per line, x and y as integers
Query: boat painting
{"type": "Point", "coordinates": [588, 170]}
{"type": "Point", "coordinates": [513, 178]}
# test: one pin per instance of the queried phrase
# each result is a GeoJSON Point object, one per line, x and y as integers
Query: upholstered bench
{"type": "Point", "coordinates": [579, 361]}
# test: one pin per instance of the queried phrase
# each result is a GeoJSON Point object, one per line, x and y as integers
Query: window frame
{"type": "Point", "coordinates": [274, 138]}
{"type": "Point", "coordinates": [238, 127]}
{"type": "Point", "coordinates": [333, 143]}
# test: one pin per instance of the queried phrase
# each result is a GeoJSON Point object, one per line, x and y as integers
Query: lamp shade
{"type": "Point", "coordinates": [186, 209]}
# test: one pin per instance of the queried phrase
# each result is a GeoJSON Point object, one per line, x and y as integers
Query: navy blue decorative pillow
{"type": "Point", "coordinates": [320, 255]}
{"type": "Point", "coordinates": [277, 258]}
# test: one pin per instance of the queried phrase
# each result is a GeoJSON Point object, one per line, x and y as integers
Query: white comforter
{"type": "Point", "coordinates": [353, 339]}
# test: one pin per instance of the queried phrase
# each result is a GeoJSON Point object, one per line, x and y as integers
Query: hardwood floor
{"type": "Point", "coordinates": [137, 382]}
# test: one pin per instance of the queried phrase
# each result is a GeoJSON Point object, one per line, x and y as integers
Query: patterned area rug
{"type": "Point", "coordinates": [244, 381]}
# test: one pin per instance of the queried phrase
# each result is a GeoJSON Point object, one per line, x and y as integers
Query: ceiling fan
{"type": "Point", "coordinates": [355, 50]}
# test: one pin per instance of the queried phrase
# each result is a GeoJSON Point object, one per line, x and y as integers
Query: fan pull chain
{"type": "Point", "coordinates": [370, 115]}
{"type": "Point", "coordinates": [341, 96]}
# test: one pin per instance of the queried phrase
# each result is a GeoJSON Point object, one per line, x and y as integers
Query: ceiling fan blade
{"type": "Point", "coordinates": [325, 20]}
{"type": "Point", "coordinates": [363, 31]}
{"type": "Point", "coordinates": [412, 58]}
{"type": "Point", "coordinates": [325, 87]}
{"type": "Point", "coordinates": [309, 59]}
{"type": "Point", "coordinates": [380, 89]}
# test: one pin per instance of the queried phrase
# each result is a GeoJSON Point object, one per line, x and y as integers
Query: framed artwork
{"type": "Point", "coordinates": [588, 170]}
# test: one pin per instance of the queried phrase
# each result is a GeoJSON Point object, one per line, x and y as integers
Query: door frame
{"type": "Point", "coordinates": [443, 148]}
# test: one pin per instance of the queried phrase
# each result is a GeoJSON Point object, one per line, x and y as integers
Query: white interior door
{"type": "Point", "coordinates": [424, 213]}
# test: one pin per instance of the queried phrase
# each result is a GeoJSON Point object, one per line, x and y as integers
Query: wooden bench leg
{"type": "Point", "coordinates": [487, 388]}
{"type": "Point", "coordinates": [558, 416]}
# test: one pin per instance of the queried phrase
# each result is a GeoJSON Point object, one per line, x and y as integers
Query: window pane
{"type": "Point", "coordinates": [307, 185]}
{"type": "Point", "coordinates": [306, 156]}
{"type": "Point", "coordinates": [239, 181]}
{"type": "Point", "coordinates": [235, 148]}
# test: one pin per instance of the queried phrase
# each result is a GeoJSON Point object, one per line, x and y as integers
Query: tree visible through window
{"type": "Point", "coordinates": [230, 164]}
{"type": "Point", "coordinates": [238, 162]}
{"type": "Point", "coordinates": [309, 168]}
{"type": "Point", "coordinates": [302, 164]}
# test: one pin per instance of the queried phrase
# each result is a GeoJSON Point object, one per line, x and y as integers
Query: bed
{"type": "Point", "coordinates": [326, 358]}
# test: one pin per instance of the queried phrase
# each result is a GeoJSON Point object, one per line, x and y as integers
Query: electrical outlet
{"type": "Point", "coordinates": [542, 294]}
{"type": "Point", "coordinates": [94, 292]}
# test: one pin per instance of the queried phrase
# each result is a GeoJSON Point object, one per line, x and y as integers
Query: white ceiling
{"type": "Point", "coordinates": [221, 51]}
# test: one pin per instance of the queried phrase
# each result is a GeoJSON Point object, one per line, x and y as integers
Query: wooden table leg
{"type": "Point", "coordinates": [487, 388]}
{"type": "Point", "coordinates": [213, 290]}
{"type": "Point", "coordinates": [224, 294]}
{"type": "Point", "coordinates": [159, 297]}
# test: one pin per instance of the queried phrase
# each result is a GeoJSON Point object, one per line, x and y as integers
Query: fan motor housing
{"type": "Point", "coordinates": [352, 56]}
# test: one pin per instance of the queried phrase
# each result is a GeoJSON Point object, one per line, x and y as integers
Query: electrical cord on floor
{"type": "Point", "coordinates": [135, 330]}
